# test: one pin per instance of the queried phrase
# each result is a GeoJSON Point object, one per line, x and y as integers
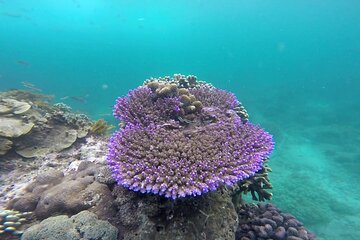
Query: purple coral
{"type": "Point", "coordinates": [168, 150]}
{"type": "Point", "coordinates": [214, 97]}
{"type": "Point", "coordinates": [181, 162]}
{"type": "Point", "coordinates": [141, 106]}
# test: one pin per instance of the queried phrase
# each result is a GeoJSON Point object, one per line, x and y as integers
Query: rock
{"type": "Point", "coordinates": [52, 193]}
{"type": "Point", "coordinates": [13, 128]}
{"type": "Point", "coordinates": [18, 107]}
{"type": "Point", "coordinates": [36, 127]}
{"type": "Point", "coordinates": [71, 196]}
{"type": "Point", "coordinates": [147, 217]}
{"type": "Point", "coordinates": [26, 204]}
{"type": "Point", "coordinates": [14, 106]}
{"type": "Point", "coordinates": [5, 109]}
{"type": "Point", "coordinates": [105, 175]}
{"type": "Point", "coordinates": [43, 141]}
{"type": "Point", "coordinates": [82, 132]}
{"type": "Point", "coordinates": [91, 228]}
{"type": "Point", "coordinates": [5, 145]}
{"type": "Point", "coordinates": [83, 226]}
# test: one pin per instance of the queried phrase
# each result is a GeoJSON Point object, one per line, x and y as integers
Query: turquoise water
{"type": "Point", "coordinates": [295, 65]}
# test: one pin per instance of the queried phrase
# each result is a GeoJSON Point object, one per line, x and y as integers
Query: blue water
{"type": "Point", "coordinates": [295, 65]}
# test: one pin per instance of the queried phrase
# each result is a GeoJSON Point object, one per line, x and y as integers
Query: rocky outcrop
{"type": "Point", "coordinates": [147, 217]}
{"type": "Point", "coordinates": [82, 226]}
{"type": "Point", "coordinates": [53, 193]}
{"type": "Point", "coordinates": [33, 127]}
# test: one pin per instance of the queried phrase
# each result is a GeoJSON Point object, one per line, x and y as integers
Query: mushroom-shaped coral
{"type": "Point", "coordinates": [161, 151]}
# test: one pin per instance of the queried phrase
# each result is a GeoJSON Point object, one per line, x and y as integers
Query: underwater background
{"type": "Point", "coordinates": [295, 66]}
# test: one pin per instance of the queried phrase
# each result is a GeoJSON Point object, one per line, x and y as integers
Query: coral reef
{"type": "Point", "coordinates": [199, 144]}
{"type": "Point", "coordinates": [53, 193]}
{"type": "Point", "coordinates": [178, 163]}
{"type": "Point", "coordinates": [145, 217]}
{"type": "Point", "coordinates": [16, 172]}
{"type": "Point", "coordinates": [181, 81]}
{"type": "Point", "coordinates": [11, 124]}
{"type": "Point", "coordinates": [30, 126]}
{"type": "Point", "coordinates": [213, 97]}
{"type": "Point", "coordinates": [265, 221]}
{"type": "Point", "coordinates": [42, 141]}
{"type": "Point", "coordinates": [195, 94]}
{"type": "Point", "coordinates": [137, 216]}
{"type": "Point", "coordinates": [61, 113]}
{"type": "Point", "coordinates": [84, 225]}
{"type": "Point", "coordinates": [181, 142]}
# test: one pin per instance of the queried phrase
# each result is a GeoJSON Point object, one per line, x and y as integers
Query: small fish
{"type": "Point", "coordinates": [105, 114]}
{"type": "Point", "coordinates": [81, 99]}
{"type": "Point", "coordinates": [31, 86]}
{"type": "Point", "coordinates": [21, 62]}
{"type": "Point", "coordinates": [78, 98]}
{"type": "Point", "coordinates": [64, 98]}
{"type": "Point", "coordinates": [13, 15]}
{"type": "Point", "coordinates": [27, 84]}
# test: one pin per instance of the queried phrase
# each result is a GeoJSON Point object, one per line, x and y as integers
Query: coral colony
{"type": "Point", "coordinates": [183, 137]}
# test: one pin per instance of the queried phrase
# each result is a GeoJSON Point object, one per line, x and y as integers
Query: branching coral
{"type": "Point", "coordinates": [213, 97]}
{"type": "Point", "coordinates": [169, 150]}
{"type": "Point", "coordinates": [258, 185]}
{"type": "Point", "coordinates": [141, 106]}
